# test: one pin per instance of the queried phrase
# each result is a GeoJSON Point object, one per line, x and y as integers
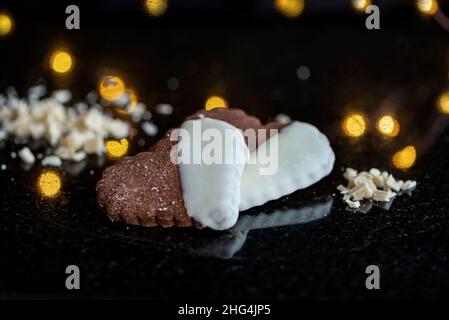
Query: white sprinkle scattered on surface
{"type": "Point", "coordinates": [62, 96]}
{"type": "Point", "coordinates": [372, 185]}
{"type": "Point", "coordinates": [51, 161]}
{"type": "Point", "coordinates": [36, 92]}
{"type": "Point", "coordinates": [353, 204]}
{"type": "Point", "coordinates": [79, 156]}
{"type": "Point", "coordinates": [92, 97]}
{"type": "Point", "coordinates": [150, 128]}
{"type": "Point", "coordinates": [137, 111]}
{"type": "Point", "coordinates": [164, 108]}
{"type": "Point", "coordinates": [3, 135]}
{"type": "Point", "coordinates": [72, 132]}
{"type": "Point", "coordinates": [26, 155]}
{"type": "Point", "coordinates": [3, 167]}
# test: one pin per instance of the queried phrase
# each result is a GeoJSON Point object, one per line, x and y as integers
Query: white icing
{"type": "Point", "coordinates": [211, 191]}
{"type": "Point", "coordinates": [304, 157]}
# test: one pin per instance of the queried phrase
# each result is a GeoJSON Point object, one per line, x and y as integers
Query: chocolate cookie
{"type": "Point", "coordinates": [146, 190]}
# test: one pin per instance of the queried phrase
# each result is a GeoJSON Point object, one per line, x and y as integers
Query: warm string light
{"type": "Point", "coordinates": [6, 24]}
{"type": "Point", "coordinates": [215, 102]}
{"type": "Point", "coordinates": [388, 126]}
{"type": "Point", "coordinates": [427, 7]}
{"type": "Point", "coordinates": [360, 5]}
{"type": "Point", "coordinates": [61, 61]}
{"type": "Point", "coordinates": [289, 8]}
{"type": "Point", "coordinates": [156, 8]}
{"type": "Point", "coordinates": [404, 158]}
{"type": "Point", "coordinates": [132, 97]}
{"type": "Point", "coordinates": [111, 87]}
{"type": "Point", "coordinates": [49, 183]}
{"type": "Point", "coordinates": [116, 149]}
{"type": "Point", "coordinates": [354, 125]}
{"type": "Point", "coordinates": [443, 102]}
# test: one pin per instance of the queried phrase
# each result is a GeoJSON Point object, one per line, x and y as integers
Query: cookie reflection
{"type": "Point", "coordinates": [227, 244]}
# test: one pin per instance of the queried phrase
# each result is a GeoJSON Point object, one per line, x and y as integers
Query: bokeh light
{"type": "Point", "coordinates": [215, 102]}
{"type": "Point", "coordinates": [289, 8]}
{"type": "Point", "coordinates": [6, 24]}
{"type": "Point", "coordinates": [354, 125]}
{"type": "Point", "coordinates": [111, 87]}
{"type": "Point", "coordinates": [116, 149]}
{"type": "Point", "coordinates": [443, 102]}
{"type": "Point", "coordinates": [49, 183]}
{"type": "Point", "coordinates": [132, 97]}
{"type": "Point", "coordinates": [61, 61]}
{"type": "Point", "coordinates": [156, 8]}
{"type": "Point", "coordinates": [388, 126]}
{"type": "Point", "coordinates": [428, 7]}
{"type": "Point", "coordinates": [404, 158]}
{"type": "Point", "coordinates": [360, 5]}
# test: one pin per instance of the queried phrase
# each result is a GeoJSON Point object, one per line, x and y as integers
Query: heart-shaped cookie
{"type": "Point", "coordinates": [146, 189]}
{"type": "Point", "coordinates": [151, 189]}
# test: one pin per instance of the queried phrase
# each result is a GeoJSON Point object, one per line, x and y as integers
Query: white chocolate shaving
{"type": "Point", "coordinates": [72, 132]}
{"type": "Point", "coordinates": [164, 108]}
{"type": "Point", "coordinates": [149, 128]}
{"type": "Point", "coordinates": [373, 185]}
{"type": "Point", "coordinates": [26, 155]}
{"type": "Point", "coordinates": [51, 161]}
{"type": "Point", "coordinates": [353, 204]}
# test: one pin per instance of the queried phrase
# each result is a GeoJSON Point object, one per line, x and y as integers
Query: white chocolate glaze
{"type": "Point", "coordinates": [211, 191]}
{"type": "Point", "coordinates": [304, 157]}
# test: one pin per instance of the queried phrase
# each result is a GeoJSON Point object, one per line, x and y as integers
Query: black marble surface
{"type": "Point", "coordinates": [325, 248]}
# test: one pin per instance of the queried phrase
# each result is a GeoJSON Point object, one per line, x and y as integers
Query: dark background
{"type": "Point", "coordinates": [247, 52]}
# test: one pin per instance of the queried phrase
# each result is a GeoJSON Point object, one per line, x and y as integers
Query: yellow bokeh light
{"type": "Point", "coordinates": [443, 102]}
{"type": "Point", "coordinates": [6, 24]}
{"type": "Point", "coordinates": [289, 8]}
{"type": "Point", "coordinates": [215, 102]}
{"type": "Point", "coordinates": [388, 126]}
{"type": "Point", "coordinates": [354, 125]}
{"type": "Point", "coordinates": [428, 7]}
{"type": "Point", "coordinates": [156, 8]}
{"type": "Point", "coordinates": [117, 149]}
{"type": "Point", "coordinates": [360, 5]}
{"type": "Point", "coordinates": [111, 87]}
{"type": "Point", "coordinates": [49, 183]}
{"type": "Point", "coordinates": [132, 97]}
{"type": "Point", "coordinates": [61, 61]}
{"type": "Point", "coordinates": [404, 158]}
